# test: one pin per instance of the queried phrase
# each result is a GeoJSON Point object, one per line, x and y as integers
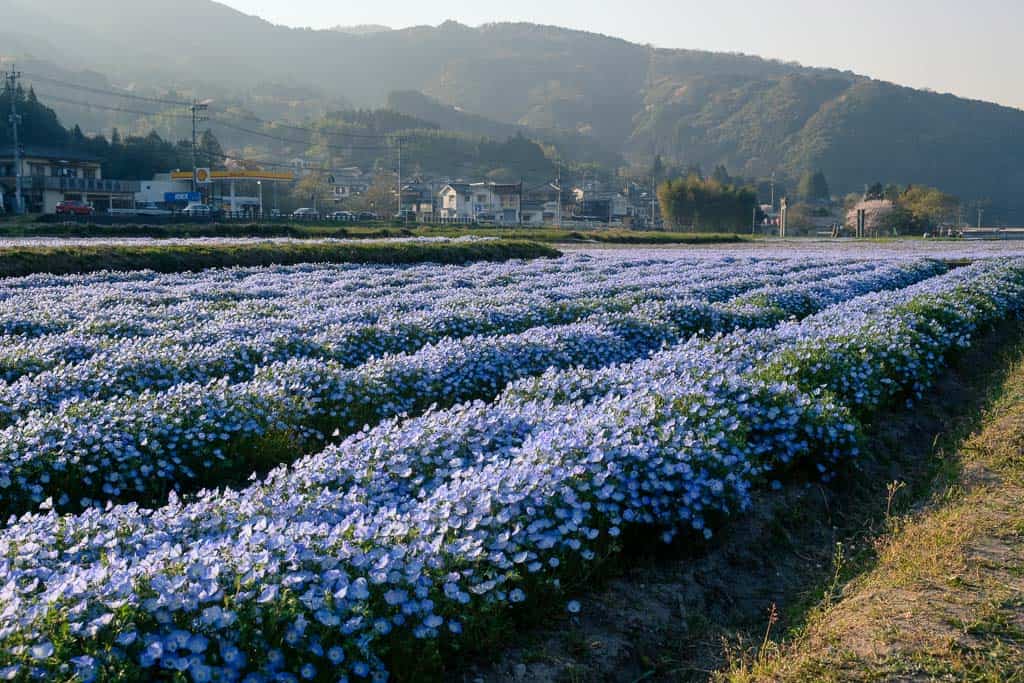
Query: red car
{"type": "Point", "coordinates": [74, 207]}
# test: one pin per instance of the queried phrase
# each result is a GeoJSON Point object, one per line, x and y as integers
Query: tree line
{"type": "Point", "coordinates": [122, 157]}
{"type": "Point", "coordinates": [707, 204]}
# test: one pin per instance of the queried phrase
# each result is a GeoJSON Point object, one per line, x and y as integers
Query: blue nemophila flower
{"type": "Point", "coordinates": [429, 519]}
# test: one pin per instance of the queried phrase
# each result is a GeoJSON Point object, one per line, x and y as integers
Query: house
{"type": "Point", "coordinates": [482, 202]}
{"type": "Point", "coordinates": [456, 203]}
{"type": "Point", "coordinates": [418, 197]}
{"type": "Point", "coordinates": [593, 202]}
{"type": "Point", "coordinates": [348, 182]}
{"type": "Point", "coordinates": [541, 206]}
{"type": "Point", "coordinates": [51, 176]}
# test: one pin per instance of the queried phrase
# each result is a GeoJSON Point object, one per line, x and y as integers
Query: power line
{"type": "Point", "coordinates": [101, 91]}
{"type": "Point", "coordinates": [182, 103]}
{"type": "Point", "coordinates": [218, 119]}
{"type": "Point", "coordinates": [278, 138]}
{"type": "Point", "coordinates": [313, 131]}
{"type": "Point", "coordinates": [106, 107]}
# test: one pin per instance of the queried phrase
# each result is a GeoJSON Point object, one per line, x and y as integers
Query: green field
{"type": "Point", "coordinates": [173, 258]}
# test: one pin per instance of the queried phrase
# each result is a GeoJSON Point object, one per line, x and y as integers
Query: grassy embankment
{"type": "Point", "coordinates": [27, 228]}
{"type": "Point", "coordinates": [173, 258]}
{"type": "Point", "coordinates": [942, 597]}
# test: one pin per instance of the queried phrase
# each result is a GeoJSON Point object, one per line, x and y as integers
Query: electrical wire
{"type": "Point", "coordinates": [101, 91]}
{"type": "Point", "coordinates": [271, 136]}
{"type": "Point", "coordinates": [182, 103]}
{"type": "Point", "coordinates": [105, 107]}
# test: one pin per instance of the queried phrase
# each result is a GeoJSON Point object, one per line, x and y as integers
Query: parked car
{"type": "Point", "coordinates": [306, 213]}
{"type": "Point", "coordinates": [151, 209]}
{"type": "Point", "coordinates": [196, 210]}
{"type": "Point", "coordinates": [74, 207]}
{"type": "Point", "coordinates": [368, 216]}
{"type": "Point", "coordinates": [344, 216]}
{"type": "Point", "coordinates": [406, 216]}
{"type": "Point", "coordinates": [275, 213]}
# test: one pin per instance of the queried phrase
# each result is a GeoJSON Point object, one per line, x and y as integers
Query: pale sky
{"type": "Point", "coordinates": [972, 49]}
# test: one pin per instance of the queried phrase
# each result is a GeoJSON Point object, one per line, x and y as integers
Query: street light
{"type": "Point", "coordinates": [259, 184]}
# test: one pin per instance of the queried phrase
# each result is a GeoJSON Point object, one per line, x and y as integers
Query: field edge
{"type": "Point", "coordinates": [177, 258]}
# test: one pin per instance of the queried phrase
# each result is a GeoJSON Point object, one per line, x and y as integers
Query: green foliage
{"type": "Point", "coordinates": [813, 187]}
{"type": "Point", "coordinates": [562, 144]}
{"type": "Point", "coordinates": [706, 205]}
{"type": "Point", "coordinates": [121, 157]}
{"type": "Point", "coordinates": [22, 261]}
{"type": "Point", "coordinates": [929, 205]}
{"type": "Point", "coordinates": [39, 124]}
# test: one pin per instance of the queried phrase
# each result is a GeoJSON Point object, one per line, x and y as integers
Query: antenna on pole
{"type": "Point", "coordinates": [12, 78]}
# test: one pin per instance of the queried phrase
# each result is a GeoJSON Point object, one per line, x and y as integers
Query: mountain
{"type": "Point", "coordinates": [571, 145]}
{"type": "Point", "coordinates": [754, 115]}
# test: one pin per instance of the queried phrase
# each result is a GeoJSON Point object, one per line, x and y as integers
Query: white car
{"type": "Point", "coordinates": [197, 209]}
{"type": "Point", "coordinates": [151, 209]}
{"type": "Point", "coordinates": [305, 212]}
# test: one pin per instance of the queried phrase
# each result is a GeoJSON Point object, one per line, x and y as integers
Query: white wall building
{"type": "Point", "coordinates": [482, 202]}
{"type": "Point", "coordinates": [155, 191]}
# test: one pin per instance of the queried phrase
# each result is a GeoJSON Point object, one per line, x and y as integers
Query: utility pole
{"type": "Point", "coordinates": [654, 202]}
{"type": "Point", "coordinates": [520, 200]}
{"type": "Point", "coordinates": [15, 119]}
{"type": "Point", "coordinates": [559, 181]}
{"type": "Point", "coordinates": [198, 115]}
{"type": "Point", "coordinates": [773, 191]}
{"type": "Point", "coordinates": [981, 212]}
{"type": "Point", "coordinates": [400, 180]}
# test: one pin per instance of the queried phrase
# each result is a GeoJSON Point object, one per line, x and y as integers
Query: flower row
{"type": "Point", "coordinates": [141, 447]}
{"type": "Point", "coordinates": [235, 350]}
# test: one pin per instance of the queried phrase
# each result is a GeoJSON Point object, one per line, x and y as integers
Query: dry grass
{"type": "Point", "coordinates": [945, 600]}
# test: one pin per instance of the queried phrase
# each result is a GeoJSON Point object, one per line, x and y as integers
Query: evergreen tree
{"type": "Point", "coordinates": [813, 187]}
{"type": "Point", "coordinates": [210, 151]}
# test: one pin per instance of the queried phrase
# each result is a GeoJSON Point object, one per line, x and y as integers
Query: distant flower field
{"type": "Point", "coordinates": [349, 472]}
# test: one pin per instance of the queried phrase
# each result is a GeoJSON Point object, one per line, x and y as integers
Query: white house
{"type": "Point", "coordinates": [484, 202]}
{"type": "Point", "coordinates": [456, 204]}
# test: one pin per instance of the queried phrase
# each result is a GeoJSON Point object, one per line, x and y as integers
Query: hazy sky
{"type": "Point", "coordinates": [972, 49]}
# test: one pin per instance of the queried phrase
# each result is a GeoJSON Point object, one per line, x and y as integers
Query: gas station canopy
{"type": "Point", "coordinates": [240, 175]}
